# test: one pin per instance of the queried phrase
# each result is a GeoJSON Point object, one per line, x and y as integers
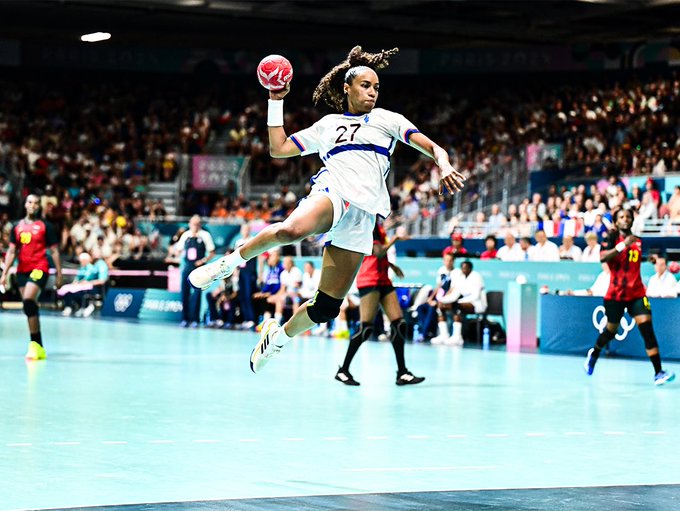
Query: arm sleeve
{"type": "Point", "coordinates": [307, 140]}
{"type": "Point", "coordinates": [401, 128]}
{"type": "Point", "coordinates": [13, 235]}
{"type": "Point", "coordinates": [51, 237]}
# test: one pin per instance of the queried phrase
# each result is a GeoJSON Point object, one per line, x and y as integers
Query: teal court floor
{"type": "Point", "coordinates": [129, 416]}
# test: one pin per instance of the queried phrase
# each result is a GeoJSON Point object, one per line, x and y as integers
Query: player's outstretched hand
{"type": "Point", "coordinates": [451, 179]}
{"type": "Point", "coordinates": [59, 281]}
{"type": "Point", "coordinates": [279, 94]}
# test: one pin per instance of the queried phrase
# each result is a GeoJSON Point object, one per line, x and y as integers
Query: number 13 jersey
{"type": "Point", "coordinates": [356, 150]}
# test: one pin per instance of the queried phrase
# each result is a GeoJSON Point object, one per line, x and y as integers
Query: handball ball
{"type": "Point", "coordinates": [674, 267]}
{"type": "Point", "coordinates": [274, 72]}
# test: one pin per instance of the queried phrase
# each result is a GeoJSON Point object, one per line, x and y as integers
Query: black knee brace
{"type": "Point", "coordinates": [30, 308]}
{"type": "Point", "coordinates": [364, 333]}
{"type": "Point", "coordinates": [323, 308]}
{"type": "Point", "coordinates": [398, 329]}
{"type": "Point", "coordinates": [647, 332]}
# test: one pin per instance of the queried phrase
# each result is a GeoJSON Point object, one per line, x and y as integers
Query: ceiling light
{"type": "Point", "coordinates": [95, 37]}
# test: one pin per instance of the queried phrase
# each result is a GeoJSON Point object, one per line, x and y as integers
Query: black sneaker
{"type": "Point", "coordinates": [407, 378]}
{"type": "Point", "coordinates": [346, 378]}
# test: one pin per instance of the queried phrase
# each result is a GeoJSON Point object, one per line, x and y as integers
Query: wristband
{"type": "Point", "coordinates": [275, 113]}
{"type": "Point", "coordinates": [620, 246]}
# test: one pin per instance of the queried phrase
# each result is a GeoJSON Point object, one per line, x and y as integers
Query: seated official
{"type": "Point", "coordinates": [90, 279]}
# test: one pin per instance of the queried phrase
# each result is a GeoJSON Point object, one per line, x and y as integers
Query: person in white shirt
{"type": "Point", "coordinates": [599, 287]}
{"type": "Point", "coordinates": [289, 293]}
{"type": "Point", "coordinates": [496, 219]}
{"type": "Point", "coordinates": [511, 251]}
{"type": "Point", "coordinates": [662, 284]}
{"type": "Point", "coordinates": [591, 254]}
{"type": "Point", "coordinates": [427, 301]}
{"type": "Point", "coordinates": [544, 249]}
{"type": "Point", "coordinates": [310, 281]}
{"type": "Point", "coordinates": [569, 251]}
{"type": "Point", "coordinates": [348, 192]}
{"type": "Point", "coordinates": [466, 296]}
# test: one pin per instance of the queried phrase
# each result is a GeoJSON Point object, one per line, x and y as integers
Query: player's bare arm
{"type": "Point", "coordinates": [451, 179]}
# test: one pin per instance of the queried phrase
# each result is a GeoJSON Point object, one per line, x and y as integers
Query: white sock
{"type": "Point", "coordinates": [281, 338]}
{"type": "Point", "coordinates": [340, 325]}
{"type": "Point", "coordinates": [457, 329]}
{"type": "Point", "coordinates": [443, 328]}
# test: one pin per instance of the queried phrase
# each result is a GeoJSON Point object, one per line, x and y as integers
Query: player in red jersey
{"type": "Point", "coordinates": [623, 254]}
{"type": "Point", "coordinates": [375, 288]}
{"type": "Point", "coordinates": [29, 240]}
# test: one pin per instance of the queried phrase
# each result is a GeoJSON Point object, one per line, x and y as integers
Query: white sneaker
{"type": "Point", "coordinates": [87, 311]}
{"type": "Point", "coordinates": [265, 348]}
{"type": "Point", "coordinates": [203, 276]}
{"type": "Point", "coordinates": [454, 341]}
{"type": "Point", "coordinates": [440, 339]}
{"type": "Point", "coordinates": [67, 311]}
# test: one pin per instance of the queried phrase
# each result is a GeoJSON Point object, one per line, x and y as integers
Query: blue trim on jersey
{"type": "Point", "coordinates": [409, 133]}
{"type": "Point", "coordinates": [316, 176]}
{"type": "Point", "coordinates": [298, 144]}
{"type": "Point", "coordinates": [357, 147]}
{"type": "Point", "coordinates": [392, 144]}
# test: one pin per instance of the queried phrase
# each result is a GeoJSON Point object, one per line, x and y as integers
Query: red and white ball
{"type": "Point", "coordinates": [274, 72]}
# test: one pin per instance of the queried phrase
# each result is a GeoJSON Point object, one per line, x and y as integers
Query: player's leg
{"type": "Point", "coordinates": [29, 295]}
{"type": "Point", "coordinates": [338, 270]}
{"type": "Point", "coordinates": [614, 311]}
{"type": "Point", "coordinates": [314, 215]}
{"type": "Point", "coordinates": [642, 313]}
{"type": "Point", "coordinates": [391, 306]}
{"type": "Point", "coordinates": [460, 311]}
{"type": "Point", "coordinates": [368, 307]}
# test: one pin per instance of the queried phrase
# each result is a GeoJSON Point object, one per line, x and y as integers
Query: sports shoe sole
{"type": "Point", "coordinates": [667, 379]}
{"type": "Point", "coordinates": [258, 349]}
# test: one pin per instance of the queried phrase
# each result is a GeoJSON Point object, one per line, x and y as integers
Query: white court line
{"type": "Point", "coordinates": [534, 435]}
{"type": "Point", "coordinates": [294, 439]}
{"type": "Point", "coordinates": [496, 435]}
{"type": "Point", "coordinates": [377, 438]}
{"type": "Point", "coordinates": [66, 443]}
{"type": "Point", "coordinates": [161, 442]}
{"type": "Point", "coordinates": [206, 441]}
{"type": "Point", "coordinates": [654, 432]}
{"type": "Point", "coordinates": [250, 440]}
{"type": "Point", "coordinates": [456, 436]}
{"type": "Point", "coordinates": [418, 437]}
{"type": "Point", "coordinates": [422, 469]}
{"type": "Point", "coordinates": [114, 442]}
{"type": "Point", "coordinates": [19, 444]}
{"type": "Point", "coordinates": [614, 433]}
{"type": "Point", "coordinates": [335, 438]}
{"type": "Point", "coordinates": [574, 433]}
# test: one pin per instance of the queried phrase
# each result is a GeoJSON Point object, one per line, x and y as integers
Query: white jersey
{"type": "Point", "coordinates": [356, 150]}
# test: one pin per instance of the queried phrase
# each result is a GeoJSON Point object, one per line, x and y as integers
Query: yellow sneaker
{"type": "Point", "coordinates": [340, 334]}
{"type": "Point", "coordinates": [35, 351]}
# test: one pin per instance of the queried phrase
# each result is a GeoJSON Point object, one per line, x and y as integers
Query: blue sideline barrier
{"type": "Point", "coordinates": [571, 324]}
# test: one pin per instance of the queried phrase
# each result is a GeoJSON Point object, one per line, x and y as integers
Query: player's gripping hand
{"type": "Point", "coordinates": [279, 94]}
{"type": "Point", "coordinates": [630, 239]}
{"type": "Point", "coordinates": [451, 179]}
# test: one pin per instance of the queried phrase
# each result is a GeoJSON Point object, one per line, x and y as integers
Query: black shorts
{"type": "Point", "coordinates": [38, 277]}
{"type": "Point", "coordinates": [383, 290]}
{"type": "Point", "coordinates": [614, 309]}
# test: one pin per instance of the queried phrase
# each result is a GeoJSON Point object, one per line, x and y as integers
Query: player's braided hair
{"type": "Point", "coordinates": [330, 86]}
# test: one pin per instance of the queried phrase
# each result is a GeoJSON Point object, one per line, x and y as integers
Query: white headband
{"type": "Point", "coordinates": [353, 71]}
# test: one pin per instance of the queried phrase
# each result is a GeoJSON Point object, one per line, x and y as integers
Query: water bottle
{"type": "Point", "coordinates": [485, 338]}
